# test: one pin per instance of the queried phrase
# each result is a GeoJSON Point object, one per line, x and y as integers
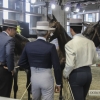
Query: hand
{"type": "Point", "coordinates": [12, 72]}
{"type": "Point", "coordinates": [5, 67]}
{"type": "Point", "coordinates": [57, 89]}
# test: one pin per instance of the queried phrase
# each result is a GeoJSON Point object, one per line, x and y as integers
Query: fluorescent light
{"type": "Point", "coordinates": [53, 6]}
{"type": "Point", "coordinates": [33, 1]}
{"type": "Point", "coordinates": [77, 10]}
{"type": "Point", "coordinates": [67, 9]}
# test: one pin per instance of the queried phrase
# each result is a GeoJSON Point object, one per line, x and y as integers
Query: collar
{"type": "Point", "coordinates": [6, 33]}
{"type": "Point", "coordinates": [42, 38]}
{"type": "Point", "coordinates": [77, 35]}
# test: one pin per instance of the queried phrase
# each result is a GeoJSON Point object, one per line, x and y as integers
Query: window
{"type": "Point", "coordinates": [86, 17]}
{"type": "Point", "coordinates": [28, 7]}
{"type": "Point", "coordinates": [90, 17]}
{"type": "Point", "coordinates": [68, 30]}
{"type": "Point", "coordinates": [27, 10]}
{"type": "Point", "coordinates": [74, 16]}
{"type": "Point", "coordinates": [5, 13]}
{"type": "Point", "coordinates": [27, 18]}
{"type": "Point", "coordinates": [97, 17]}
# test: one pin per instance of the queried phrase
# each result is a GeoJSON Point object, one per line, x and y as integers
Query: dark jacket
{"type": "Point", "coordinates": [41, 54]}
{"type": "Point", "coordinates": [7, 46]}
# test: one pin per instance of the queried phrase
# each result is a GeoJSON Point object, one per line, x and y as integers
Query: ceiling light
{"type": "Point", "coordinates": [67, 9]}
{"type": "Point", "coordinates": [53, 6]}
{"type": "Point", "coordinates": [77, 10]}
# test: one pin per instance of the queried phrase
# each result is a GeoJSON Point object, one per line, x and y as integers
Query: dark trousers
{"type": "Point", "coordinates": [80, 80]}
{"type": "Point", "coordinates": [5, 82]}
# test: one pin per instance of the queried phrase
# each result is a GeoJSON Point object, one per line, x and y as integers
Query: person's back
{"type": "Point", "coordinates": [39, 56]}
{"type": "Point", "coordinates": [40, 53]}
{"type": "Point", "coordinates": [80, 54]}
{"type": "Point", "coordinates": [7, 46]}
{"type": "Point", "coordinates": [84, 51]}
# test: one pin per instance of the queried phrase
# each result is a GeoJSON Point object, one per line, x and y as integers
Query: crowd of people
{"type": "Point", "coordinates": [40, 56]}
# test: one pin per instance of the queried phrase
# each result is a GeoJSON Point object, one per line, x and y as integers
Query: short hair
{"type": "Point", "coordinates": [41, 33]}
{"type": "Point", "coordinates": [76, 29]}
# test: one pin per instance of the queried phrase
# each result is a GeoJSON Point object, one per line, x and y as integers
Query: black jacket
{"type": "Point", "coordinates": [41, 54]}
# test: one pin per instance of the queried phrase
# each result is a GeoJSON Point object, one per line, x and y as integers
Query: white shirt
{"type": "Point", "coordinates": [55, 42]}
{"type": "Point", "coordinates": [80, 51]}
{"type": "Point", "coordinates": [6, 33]}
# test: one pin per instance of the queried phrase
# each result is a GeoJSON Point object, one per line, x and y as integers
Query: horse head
{"type": "Point", "coordinates": [92, 32]}
{"type": "Point", "coordinates": [60, 32]}
{"type": "Point", "coordinates": [53, 23]}
{"type": "Point", "coordinates": [62, 37]}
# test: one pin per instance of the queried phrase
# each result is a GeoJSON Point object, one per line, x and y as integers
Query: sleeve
{"type": "Point", "coordinates": [70, 61]}
{"type": "Point", "coordinates": [10, 54]}
{"type": "Point", "coordinates": [56, 65]}
{"type": "Point", "coordinates": [96, 58]}
{"type": "Point", "coordinates": [23, 61]}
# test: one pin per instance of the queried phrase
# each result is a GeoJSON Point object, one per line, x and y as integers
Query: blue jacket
{"type": "Point", "coordinates": [7, 45]}
{"type": "Point", "coordinates": [41, 54]}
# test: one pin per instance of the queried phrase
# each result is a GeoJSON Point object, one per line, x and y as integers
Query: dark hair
{"type": "Point", "coordinates": [76, 29]}
{"type": "Point", "coordinates": [4, 28]}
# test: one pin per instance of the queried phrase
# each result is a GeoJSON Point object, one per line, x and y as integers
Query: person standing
{"type": "Point", "coordinates": [40, 56]}
{"type": "Point", "coordinates": [7, 45]}
{"type": "Point", "coordinates": [80, 55]}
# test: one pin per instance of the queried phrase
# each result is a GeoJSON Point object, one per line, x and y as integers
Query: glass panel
{"type": "Point", "coordinates": [5, 3]}
{"type": "Point", "coordinates": [18, 6]}
{"type": "Point", "coordinates": [28, 18]}
{"type": "Point", "coordinates": [34, 9]}
{"type": "Point", "coordinates": [74, 16]}
{"type": "Point", "coordinates": [93, 17]}
{"type": "Point", "coordinates": [39, 10]}
{"type": "Point", "coordinates": [5, 13]}
{"type": "Point", "coordinates": [27, 0]}
{"type": "Point", "coordinates": [28, 7]}
{"type": "Point", "coordinates": [86, 17]}
{"type": "Point", "coordinates": [90, 17]}
{"type": "Point", "coordinates": [79, 16]}
{"type": "Point", "coordinates": [11, 4]}
{"type": "Point", "coordinates": [68, 29]}
{"type": "Point", "coordinates": [11, 15]}
{"type": "Point", "coordinates": [1, 3]}
{"type": "Point", "coordinates": [18, 17]}
{"type": "Point", "coordinates": [97, 17]}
